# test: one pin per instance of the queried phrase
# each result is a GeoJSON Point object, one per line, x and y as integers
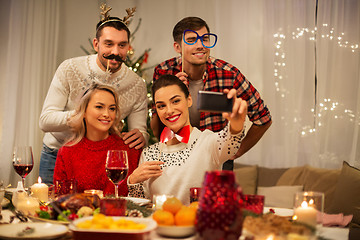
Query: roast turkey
{"type": "Point", "coordinates": [74, 202]}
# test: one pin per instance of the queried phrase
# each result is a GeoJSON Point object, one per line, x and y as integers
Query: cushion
{"type": "Point", "coordinates": [346, 197]}
{"type": "Point", "coordinates": [292, 176]}
{"type": "Point", "coordinates": [269, 176]}
{"type": "Point", "coordinates": [279, 196]}
{"type": "Point", "coordinates": [322, 180]}
{"type": "Point", "coordinates": [313, 179]}
{"type": "Point", "coordinates": [246, 177]}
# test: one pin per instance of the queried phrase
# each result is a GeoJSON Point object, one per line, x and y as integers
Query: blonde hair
{"type": "Point", "coordinates": [77, 122]}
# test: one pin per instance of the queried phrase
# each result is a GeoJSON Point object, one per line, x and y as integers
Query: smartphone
{"type": "Point", "coordinates": [214, 102]}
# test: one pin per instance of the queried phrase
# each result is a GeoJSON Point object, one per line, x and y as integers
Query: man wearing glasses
{"type": "Point", "coordinates": [199, 71]}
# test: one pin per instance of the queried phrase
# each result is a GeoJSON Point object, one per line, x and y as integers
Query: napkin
{"type": "Point", "coordinates": [334, 219]}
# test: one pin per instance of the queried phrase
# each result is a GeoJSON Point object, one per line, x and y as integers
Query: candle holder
{"type": "Point", "coordinates": [63, 187]}
{"type": "Point", "coordinates": [194, 194]}
{"type": "Point", "coordinates": [219, 214]}
{"type": "Point", "coordinates": [158, 200]}
{"type": "Point", "coordinates": [308, 208]}
{"type": "Point", "coordinates": [28, 205]}
{"type": "Point", "coordinates": [99, 193]}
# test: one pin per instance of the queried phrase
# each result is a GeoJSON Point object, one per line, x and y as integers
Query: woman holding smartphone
{"type": "Point", "coordinates": [184, 153]}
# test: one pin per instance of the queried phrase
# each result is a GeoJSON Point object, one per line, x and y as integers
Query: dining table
{"type": "Point", "coordinates": [328, 233]}
{"type": "Point", "coordinates": [8, 216]}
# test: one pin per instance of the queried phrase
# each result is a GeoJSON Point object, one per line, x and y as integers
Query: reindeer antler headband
{"type": "Point", "coordinates": [105, 15]}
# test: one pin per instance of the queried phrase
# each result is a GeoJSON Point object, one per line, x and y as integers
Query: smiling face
{"type": "Point", "coordinates": [100, 115]}
{"type": "Point", "coordinates": [172, 107]}
{"type": "Point", "coordinates": [111, 41]}
{"type": "Point", "coordinates": [195, 54]}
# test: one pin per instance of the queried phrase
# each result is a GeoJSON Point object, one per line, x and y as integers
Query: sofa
{"type": "Point", "coordinates": [341, 187]}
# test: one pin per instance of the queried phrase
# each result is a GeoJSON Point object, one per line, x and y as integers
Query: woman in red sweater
{"type": "Point", "coordinates": [94, 126]}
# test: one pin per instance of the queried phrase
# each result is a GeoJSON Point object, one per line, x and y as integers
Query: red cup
{"type": "Point", "coordinates": [254, 203]}
{"type": "Point", "coordinates": [194, 194]}
{"type": "Point", "coordinates": [113, 206]}
{"type": "Point", "coordinates": [63, 187]}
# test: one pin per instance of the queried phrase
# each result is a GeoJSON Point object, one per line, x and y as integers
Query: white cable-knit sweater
{"type": "Point", "coordinates": [72, 78]}
{"type": "Point", "coordinates": [186, 164]}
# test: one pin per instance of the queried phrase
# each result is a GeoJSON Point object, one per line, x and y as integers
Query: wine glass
{"type": "Point", "coordinates": [117, 167]}
{"type": "Point", "coordinates": [23, 161]}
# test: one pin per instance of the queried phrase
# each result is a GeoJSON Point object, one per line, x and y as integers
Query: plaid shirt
{"type": "Point", "coordinates": [220, 75]}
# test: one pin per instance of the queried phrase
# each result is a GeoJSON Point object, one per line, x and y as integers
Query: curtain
{"type": "Point", "coordinates": [280, 48]}
{"type": "Point", "coordinates": [28, 62]}
{"type": "Point", "coordinates": [338, 104]}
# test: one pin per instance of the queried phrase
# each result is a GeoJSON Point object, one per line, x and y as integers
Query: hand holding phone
{"type": "Point", "coordinates": [214, 102]}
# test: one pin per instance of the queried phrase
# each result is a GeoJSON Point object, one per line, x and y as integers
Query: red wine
{"type": "Point", "coordinates": [116, 175]}
{"type": "Point", "coordinates": [23, 169]}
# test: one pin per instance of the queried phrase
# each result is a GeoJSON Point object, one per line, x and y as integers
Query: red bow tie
{"type": "Point", "coordinates": [182, 135]}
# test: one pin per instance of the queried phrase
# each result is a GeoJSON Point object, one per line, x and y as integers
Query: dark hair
{"type": "Point", "coordinates": [111, 22]}
{"type": "Point", "coordinates": [191, 23]}
{"type": "Point", "coordinates": [168, 80]}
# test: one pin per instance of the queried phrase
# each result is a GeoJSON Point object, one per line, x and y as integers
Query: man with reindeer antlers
{"type": "Point", "coordinates": [74, 76]}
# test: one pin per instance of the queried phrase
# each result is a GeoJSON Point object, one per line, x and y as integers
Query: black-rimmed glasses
{"type": "Point", "coordinates": [208, 40]}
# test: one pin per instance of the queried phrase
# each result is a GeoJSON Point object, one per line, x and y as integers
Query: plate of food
{"type": "Point", "coordinates": [32, 231]}
{"type": "Point", "coordinates": [284, 212]}
{"type": "Point", "coordinates": [72, 206]}
{"type": "Point", "coordinates": [78, 205]}
{"type": "Point", "coordinates": [278, 226]}
{"type": "Point", "coordinates": [139, 201]}
{"type": "Point", "coordinates": [100, 226]}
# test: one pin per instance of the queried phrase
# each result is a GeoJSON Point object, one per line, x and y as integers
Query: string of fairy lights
{"type": "Point", "coordinates": [327, 104]}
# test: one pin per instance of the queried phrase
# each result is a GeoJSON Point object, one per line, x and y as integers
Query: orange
{"type": "Point", "coordinates": [185, 217]}
{"type": "Point", "coordinates": [194, 206]}
{"type": "Point", "coordinates": [172, 205]}
{"type": "Point", "coordinates": [163, 217]}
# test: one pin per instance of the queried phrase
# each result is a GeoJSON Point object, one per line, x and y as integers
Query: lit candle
{"type": "Point", "coordinates": [306, 214]}
{"type": "Point", "coordinates": [40, 191]}
{"type": "Point", "coordinates": [95, 192]}
{"type": "Point", "coordinates": [28, 205]}
{"type": "Point", "coordinates": [158, 201]}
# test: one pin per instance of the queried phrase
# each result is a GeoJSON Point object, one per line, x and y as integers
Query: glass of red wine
{"type": "Point", "coordinates": [23, 161]}
{"type": "Point", "coordinates": [117, 167]}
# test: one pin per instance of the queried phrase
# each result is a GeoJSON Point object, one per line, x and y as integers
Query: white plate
{"type": "Point", "coordinates": [12, 190]}
{"type": "Point", "coordinates": [140, 201]}
{"type": "Point", "coordinates": [5, 202]}
{"type": "Point", "coordinates": [149, 222]}
{"type": "Point", "coordinates": [175, 231]}
{"type": "Point", "coordinates": [284, 212]}
{"type": "Point", "coordinates": [37, 219]}
{"type": "Point", "coordinates": [42, 231]}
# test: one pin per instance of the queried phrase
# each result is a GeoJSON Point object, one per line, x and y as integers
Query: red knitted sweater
{"type": "Point", "coordinates": [85, 162]}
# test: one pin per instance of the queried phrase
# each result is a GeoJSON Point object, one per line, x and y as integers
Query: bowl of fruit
{"type": "Point", "coordinates": [175, 219]}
